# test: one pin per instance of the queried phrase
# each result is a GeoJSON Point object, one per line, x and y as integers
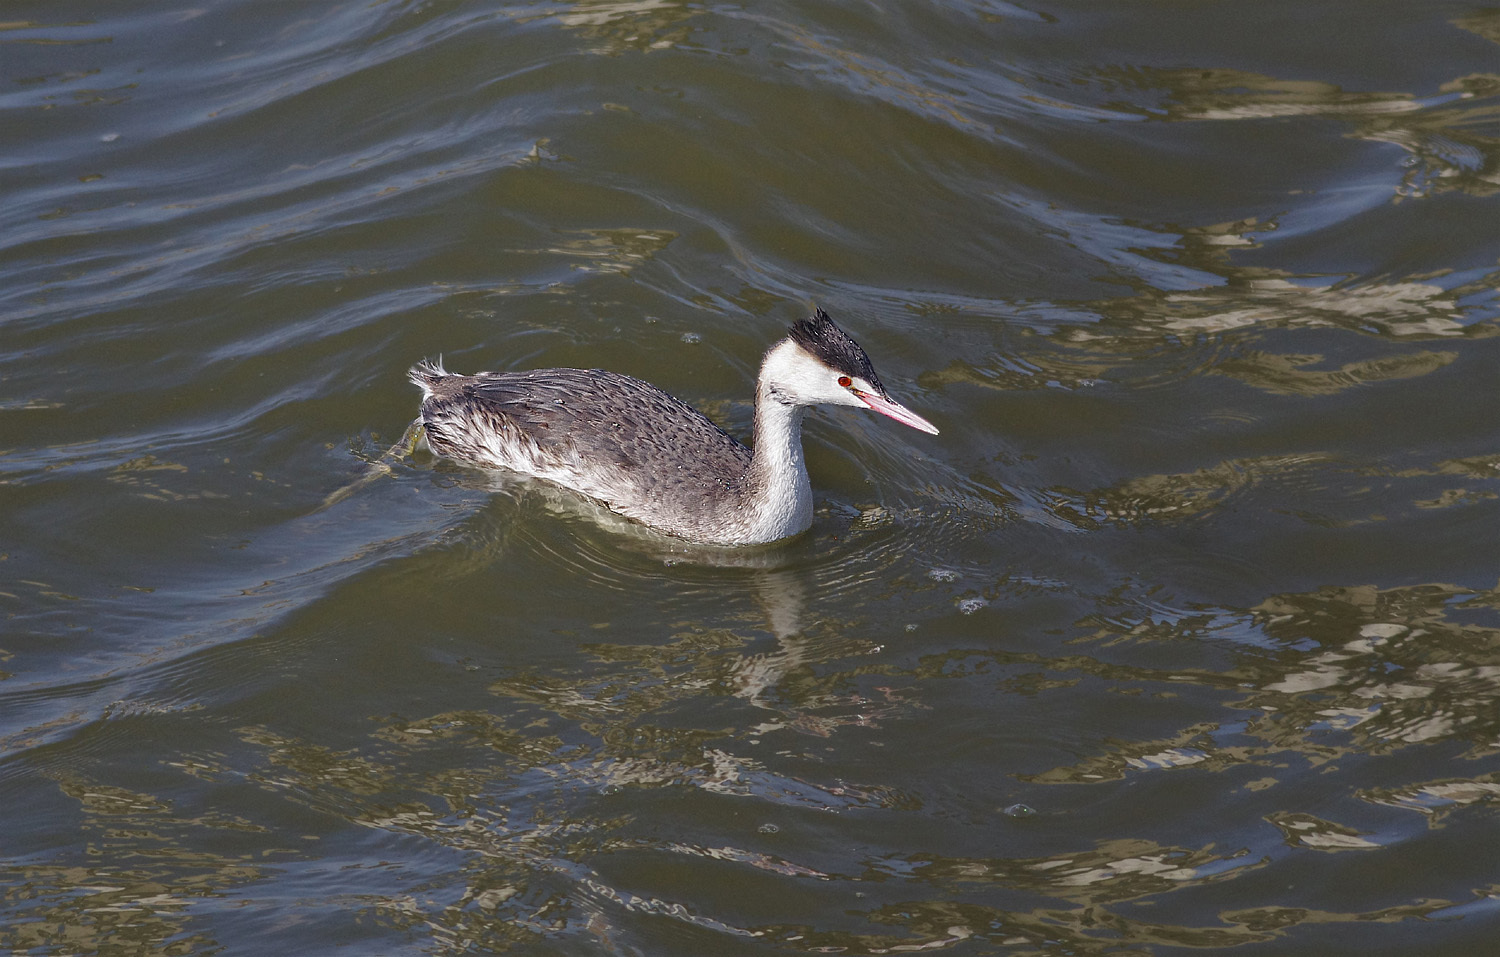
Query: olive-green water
{"type": "Point", "coordinates": [1183, 636]}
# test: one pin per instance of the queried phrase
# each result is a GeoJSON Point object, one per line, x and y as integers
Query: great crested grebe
{"type": "Point", "coordinates": [652, 457]}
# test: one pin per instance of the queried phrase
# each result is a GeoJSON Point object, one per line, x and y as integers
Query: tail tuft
{"type": "Point", "coordinates": [427, 373]}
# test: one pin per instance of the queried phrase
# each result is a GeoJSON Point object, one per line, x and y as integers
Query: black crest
{"type": "Point", "coordinates": [834, 348]}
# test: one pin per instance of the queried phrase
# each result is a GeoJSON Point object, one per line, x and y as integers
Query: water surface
{"type": "Point", "coordinates": [1183, 636]}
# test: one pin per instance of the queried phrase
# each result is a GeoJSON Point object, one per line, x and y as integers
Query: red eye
{"type": "Point", "coordinates": [845, 381]}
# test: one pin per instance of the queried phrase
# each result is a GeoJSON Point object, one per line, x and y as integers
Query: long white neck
{"type": "Point", "coordinates": [780, 493]}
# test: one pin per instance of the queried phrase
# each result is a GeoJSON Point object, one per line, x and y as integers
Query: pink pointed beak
{"type": "Point", "coordinates": [895, 410]}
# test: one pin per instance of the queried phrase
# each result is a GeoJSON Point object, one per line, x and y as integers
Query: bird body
{"type": "Point", "coordinates": [650, 456]}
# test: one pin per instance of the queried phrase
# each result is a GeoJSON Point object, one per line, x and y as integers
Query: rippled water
{"type": "Point", "coordinates": [1184, 635]}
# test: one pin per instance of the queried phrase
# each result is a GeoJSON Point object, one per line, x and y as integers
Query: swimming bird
{"type": "Point", "coordinates": [650, 456]}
